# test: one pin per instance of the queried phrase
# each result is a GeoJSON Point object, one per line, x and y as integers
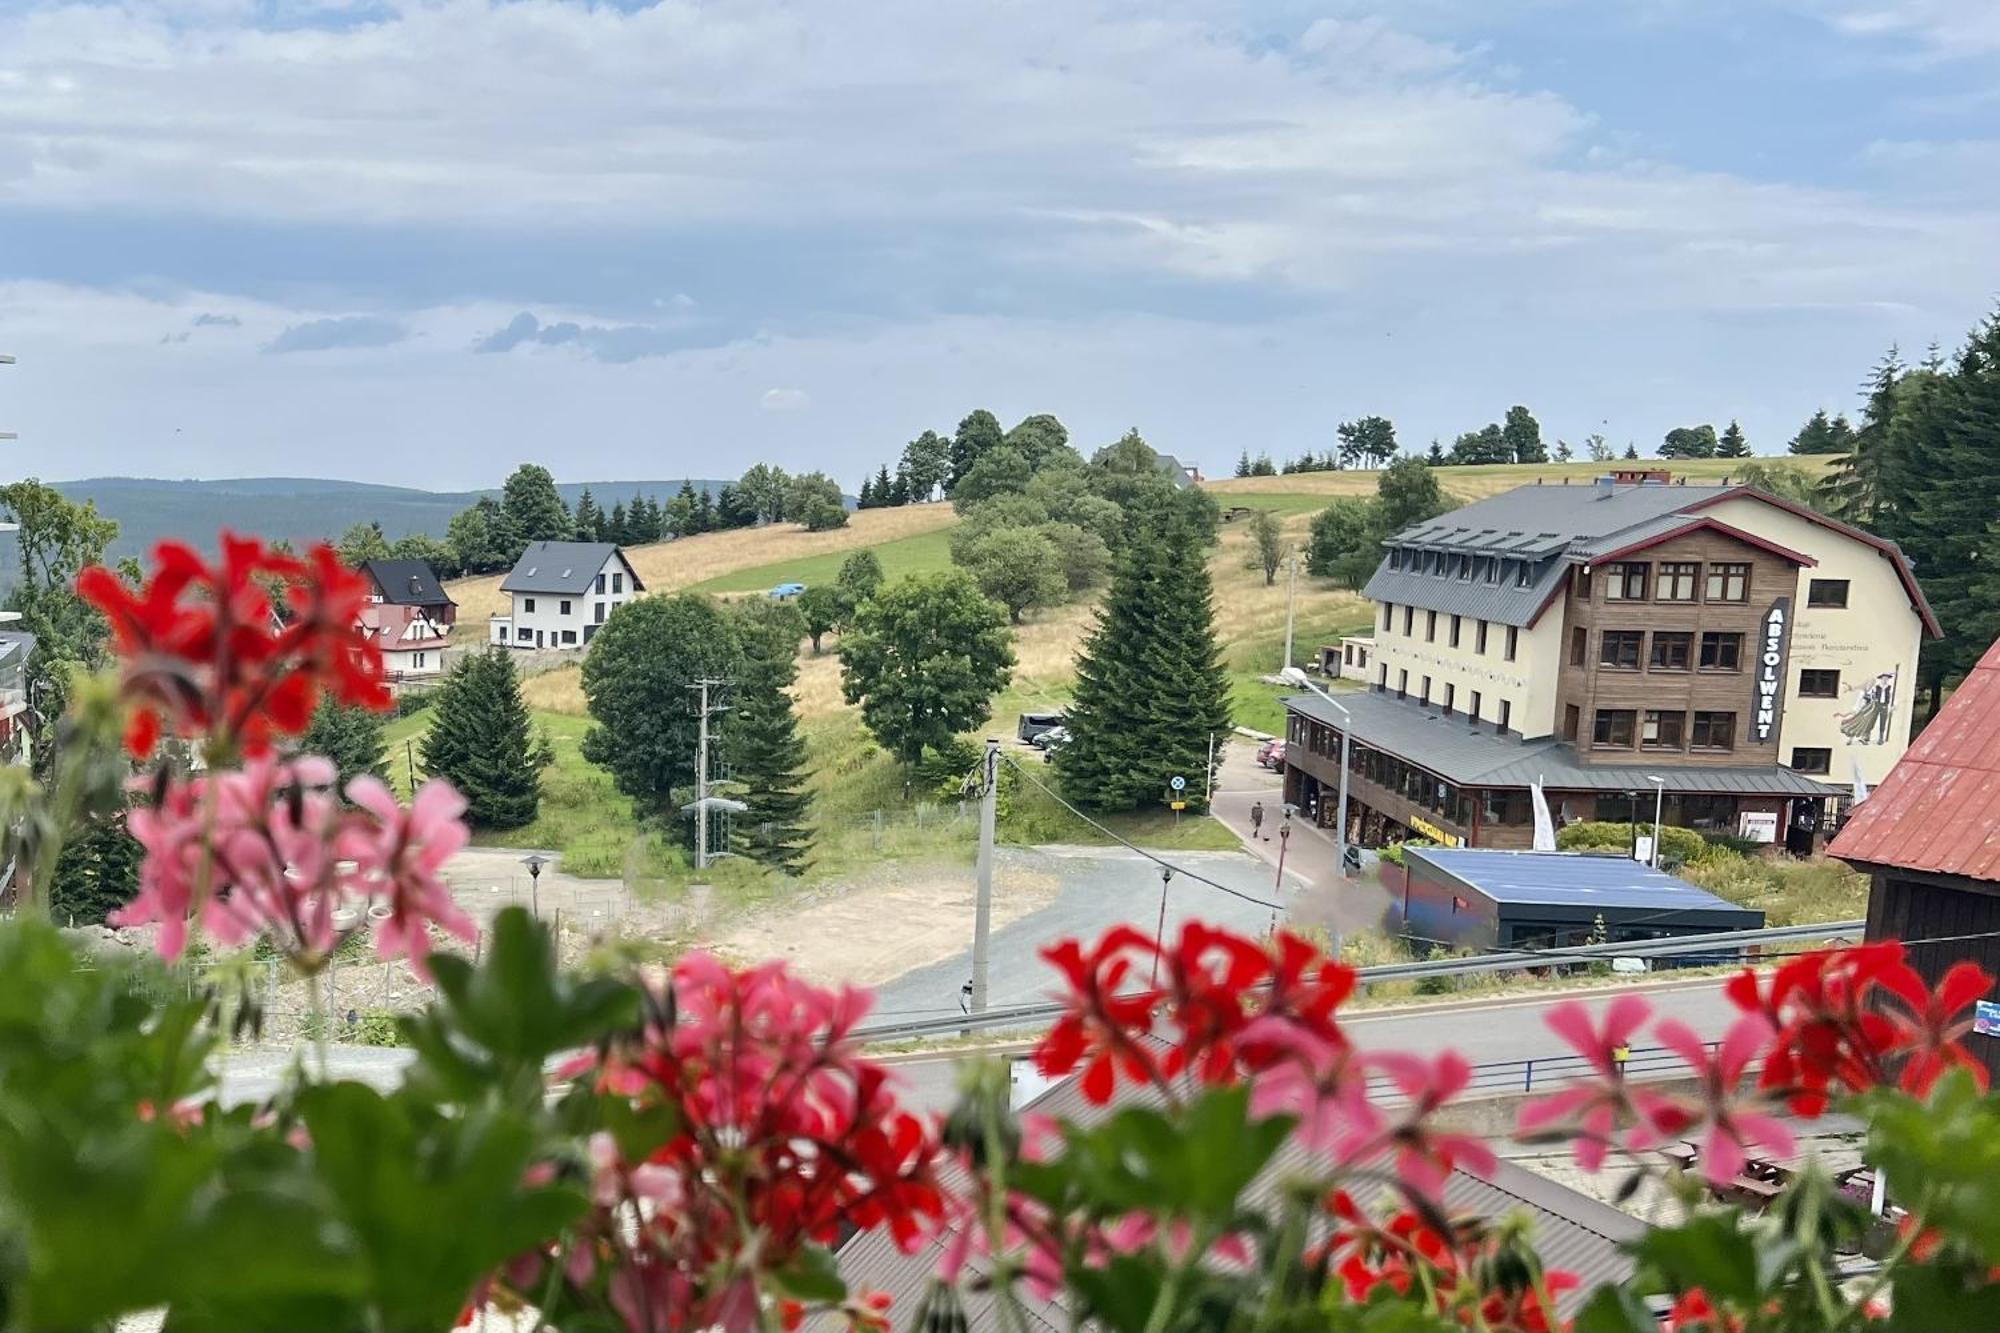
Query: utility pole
{"type": "Point", "coordinates": [1291, 606]}
{"type": "Point", "coordinates": [6, 360]}
{"type": "Point", "coordinates": [701, 811]}
{"type": "Point", "coordinates": [982, 911]}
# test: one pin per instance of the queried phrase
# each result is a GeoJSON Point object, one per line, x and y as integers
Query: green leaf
{"type": "Point", "coordinates": [812, 1277]}
{"type": "Point", "coordinates": [1710, 1251]}
{"type": "Point", "coordinates": [1615, 1308]}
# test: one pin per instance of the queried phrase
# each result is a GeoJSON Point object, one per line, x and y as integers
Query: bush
{"type": "Point", "coordinates": [1789, 892]}
{"type": "Point", "coordinates": [1393, 853]}
{"type": "Point", "coordinates": [377, 1027]}
{"type": "Point", "coordinates": [1596, 835]}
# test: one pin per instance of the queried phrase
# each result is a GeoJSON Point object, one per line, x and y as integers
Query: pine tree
{"type": "Point", "coordinates": [1436, 457]}
{"type": "Point", "coordinates": [481, 741]}
{"type": "Point", "coordinates": [1631, 451]}
{"type": "Point", "coordinates": [899, 493]}
{"type": "Point", "coordinates": [1243, 464]}
{"type": "Point", "coordinates": [679, 520]}
{"type": "Point", "coordinates": [1732, 444]}
{"type": "Point", "coordinates": [761, 738]}
{"type": "Point", "coordinates": [884, 487]}
{"type": "Point", "coordinates": [1151, 691]}
{"type": "Point", "coordinates": [616, 527]}
{"type": "Point", "coordinates": [865, 497]}
{"type": "Point", "coordinates": [589, 518]}
{"type": "Point", "coordinates": [704, 512]}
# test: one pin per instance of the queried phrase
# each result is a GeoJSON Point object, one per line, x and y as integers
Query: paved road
{"type": "Point", "coordinates": [254, 1074]}
{"type": "Point", "coordinates": [1327, 899]}
{"type": "Point", "coordinates": [1099, 888]}
{"type": "Point", "coordinates": [1483, 1031]}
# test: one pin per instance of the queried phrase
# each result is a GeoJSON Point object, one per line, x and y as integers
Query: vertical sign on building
{"type": "Point", "coordinates": [1769, 699]}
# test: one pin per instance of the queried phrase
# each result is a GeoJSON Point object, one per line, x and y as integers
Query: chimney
{"type": "Point", "coordinates": [1606, 486]}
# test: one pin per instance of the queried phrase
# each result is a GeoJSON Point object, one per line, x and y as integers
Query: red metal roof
{"type": "Point", "coordinates": [1939, 808]}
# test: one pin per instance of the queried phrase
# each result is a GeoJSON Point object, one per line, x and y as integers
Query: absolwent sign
{"type": "Point", "coordinates": [1769, 699]}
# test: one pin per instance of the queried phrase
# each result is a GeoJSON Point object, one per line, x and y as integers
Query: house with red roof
{"type": "Point", "coordinates": [1929, 836]}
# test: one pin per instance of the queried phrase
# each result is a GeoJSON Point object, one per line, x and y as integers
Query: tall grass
{"type": "Point", "coordinates": [1789, 892]}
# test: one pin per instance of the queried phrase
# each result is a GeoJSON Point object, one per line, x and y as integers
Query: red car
{"type": "Point", "coordinates": [1271, 754]}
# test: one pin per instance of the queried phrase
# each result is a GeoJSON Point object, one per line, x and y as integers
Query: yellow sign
{"type": "Point", "coordinates": [1176, 805]}
{"type": "Point", "coordinates": [1434, 833]}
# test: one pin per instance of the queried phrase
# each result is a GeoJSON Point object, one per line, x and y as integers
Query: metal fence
{"type": "Point", "coordinates": [1724, 946]}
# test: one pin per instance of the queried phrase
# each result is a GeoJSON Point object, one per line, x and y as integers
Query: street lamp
{"type": "Point", "coordinates": [1291, 675]}
{"type": "Point", "coordinates": [535, 861]}
{"type": "Point", "coordinates": [1659, 803]}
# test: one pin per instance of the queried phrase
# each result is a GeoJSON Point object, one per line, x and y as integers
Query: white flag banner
{"type": "Point", "coordinates": [1545, 826]}
{"type": "Point", "coordinates": [1860, 783]}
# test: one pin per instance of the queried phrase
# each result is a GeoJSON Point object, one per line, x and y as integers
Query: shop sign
{"type": "Point", "coordinates": [1758, 825]}
{"type": "Point", "coordinates": [1986, 1019]}
{"type": "Point", "coordinates": [1769, 699]}
{"type": "Point", "coordinates": [1434, 833]}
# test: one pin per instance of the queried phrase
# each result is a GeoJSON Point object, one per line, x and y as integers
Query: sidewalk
{"type": "Point", "coordinates": [1315, 894]}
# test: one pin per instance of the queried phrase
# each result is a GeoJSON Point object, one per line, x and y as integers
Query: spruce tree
{"type": "Point", "coordinates": [1243, 464]}
{"type": "Point", "coordinates": [884, 486]}
{"type": "Point", "coordinates": [865, 497]}
{"type": "Point", "coordinates": [350, 737]}
{"type": "Point", "coordinates": [899, 493]}
{"type": "Point", "coordinates": [617, 527]}
{"type": "Point", "coordinates": [704, 512]}
{"type": "Point", "coordinates": [1151, 691]}
{"type": "Point", "coordinates": [1732, 443]}
{"type": "Point", "coordinates": [761, 738]}
{"type": "Point", "coordinates": [97, 873]}
{"type": "Point", "coordinates": [589, 518]}
{"type": "Point", "coordinates": [481, 741]}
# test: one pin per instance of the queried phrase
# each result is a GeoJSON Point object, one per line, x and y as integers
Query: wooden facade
{"type": "Point", "coordinates": [1587, 686]}
{"type": "Point", "coordinates": [1961, 915]}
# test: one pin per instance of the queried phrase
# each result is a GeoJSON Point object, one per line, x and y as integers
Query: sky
{"type": "Point", "coordinates": [420, 241]}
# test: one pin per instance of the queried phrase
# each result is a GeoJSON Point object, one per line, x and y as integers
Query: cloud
{"type": "Point", "coordinates": [205, 320]}
{"type": "Point", "coordinates": [785, 400]}
{"type": "Point", "coordinates": [616, 344]}
{"type": "Point", "coordinates": [350, 331]}
{"type": "Point", "coordinates": [1945, 29]}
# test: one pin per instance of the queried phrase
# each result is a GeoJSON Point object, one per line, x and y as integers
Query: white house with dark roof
{"type": "Point", "coordinates": [562, 591]}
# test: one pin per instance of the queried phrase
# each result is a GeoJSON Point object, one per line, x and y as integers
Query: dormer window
{"type": "Point", "coordinates": [1524, 576]}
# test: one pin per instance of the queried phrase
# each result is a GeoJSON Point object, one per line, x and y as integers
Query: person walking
{"type": "Point", "coordinates": [1257, 821]}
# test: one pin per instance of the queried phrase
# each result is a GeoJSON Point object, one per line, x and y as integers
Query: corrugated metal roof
{"type": "Point", "coordinates": [1573, 1232]}
{"type": "Point", "coordinates": [1571, 879]}
{"type": "Point", "coordinates": [1466, 756]}
{"type": "Point", "coordinates": [1505, 602]}
{"type": "Point", "coordinates": [1939, 808]}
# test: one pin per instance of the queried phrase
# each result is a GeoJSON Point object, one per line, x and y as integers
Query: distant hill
{"type": "Point", "coordinates": [300, 509]}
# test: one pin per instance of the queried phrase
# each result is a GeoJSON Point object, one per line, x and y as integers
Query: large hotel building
{"type": "Point", "coordinates": [1744, 656]}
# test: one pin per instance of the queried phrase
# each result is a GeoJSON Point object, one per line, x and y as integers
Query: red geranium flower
{"type": "Point", "coordinates": [207, 652]}
{"type": "Point", "coordinates": [1105, 1029]}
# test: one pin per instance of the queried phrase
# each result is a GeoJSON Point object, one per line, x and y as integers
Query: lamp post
{"type": "Point", "coordinates": [1291, 675]}
{"type": "Point", "coordinates": [1659, 804]}
{"type": "Point", "coordinates": [535, 861]}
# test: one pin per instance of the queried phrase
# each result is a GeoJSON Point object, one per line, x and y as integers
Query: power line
{"type": "Point", "coordinates": [1134, 847]}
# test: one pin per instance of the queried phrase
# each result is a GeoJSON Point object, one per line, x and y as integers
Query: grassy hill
{"type": "Point", "coordinates": [299, 509]}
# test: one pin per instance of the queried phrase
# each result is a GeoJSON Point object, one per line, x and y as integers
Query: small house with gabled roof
{"type": "Point", "coordinates": [562, 593]}
{"type": "Point", "coordinates": [409, 616]}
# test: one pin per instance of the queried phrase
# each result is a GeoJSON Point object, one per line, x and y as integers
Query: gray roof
{"type": "Point", "coordinates": [407, 582]}
{"type": "Point", "coordinates": [1548, 526]}
{"type": "Point", "coordinates": [15, 646]}
{"type": "Point", "coordinates": [1572, 1232]}
{"type": "Point", "coordinates": [563, 567]}
{"type": "Point", "coordinates": [1477, 757]}
{"type": "Point", "coordinates": [1572, 879]}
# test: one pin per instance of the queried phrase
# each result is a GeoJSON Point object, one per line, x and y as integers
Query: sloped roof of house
{"type": "Point", "coordinates": [1938, 811]}
{"type": "Point", "coordinates": [1552, 528]}
{"type": "Point", "coordinates": [564, 567]}
{"type": "Point", "coordinates": [1572, 1231]}
{"type": "Point", "coordinates": [407, 582]}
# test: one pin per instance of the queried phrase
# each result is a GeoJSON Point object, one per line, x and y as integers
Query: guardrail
{"type": "Point", "coordinates": [1726, 946]}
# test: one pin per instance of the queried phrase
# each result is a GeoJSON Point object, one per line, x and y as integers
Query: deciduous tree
{"type": "Point", "coordinates": [927, 462]}
{"type": "Point", "coordinates": [637, 681]}
{"type": "Point", "coordinates": [1523, 435]}
{"type": "Point", "coordinates": [977, 435]}
{"type": "Point", "coordinates": [531, 499]}
{"type": "Point", "coordinates": [823, 608]}
{"type": "Point", "coordinates": [1018, 568]}
{"type": "Point", "coordinates": [924, 661]}
{"type": "Point", "coordinates": [1270, 540]}
{"type": "Point", "coordinates": [1689, 442]}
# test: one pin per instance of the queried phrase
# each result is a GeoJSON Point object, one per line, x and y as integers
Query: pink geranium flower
{"type": "Point", "coordinates": [402, 851]}
{"type": "Point", "coordinates": [1591, 1105]}
{"type": "Point", "coordinates": [1729, 1118]}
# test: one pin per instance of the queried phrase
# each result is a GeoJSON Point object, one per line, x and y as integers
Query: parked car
{"type": "Point", "coordinates": [784, 592]}
{"type": "Point", "coordinates": [1271, 754]}
{"type": "Point", "coordinates": [1050, 739]}
{"type": "Point", "coordinates": [1036, 724]}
